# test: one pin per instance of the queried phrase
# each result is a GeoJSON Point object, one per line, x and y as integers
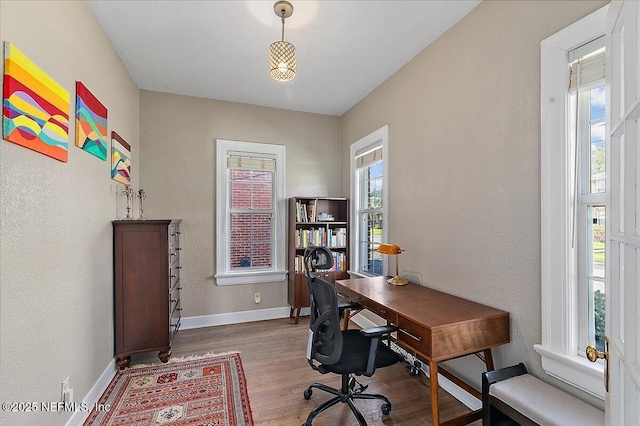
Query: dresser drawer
{"type": "Point", "coordinates": [174, 254]}
{"type": "Point", "coordinates": [174, 274]}
{"type": "Point", "coordinates": [415, 336]}
{"type": "Point", "coordinates": [174, 235]}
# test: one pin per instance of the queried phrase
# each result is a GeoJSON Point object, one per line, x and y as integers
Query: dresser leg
{"type": "Point", "coordinates": [164, 356]}
{"type": "Point", "coordinates": [123, 362]}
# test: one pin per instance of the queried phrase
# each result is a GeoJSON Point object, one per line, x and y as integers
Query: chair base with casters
{"type": "Point", "coordinates": [346, 394]}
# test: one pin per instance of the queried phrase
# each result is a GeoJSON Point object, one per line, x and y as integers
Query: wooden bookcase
{"type": "Point", "coordinates": [317, 221]}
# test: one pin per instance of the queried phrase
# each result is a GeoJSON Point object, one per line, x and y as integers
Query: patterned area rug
{"type": "Point", "coordinates": [197, 391]}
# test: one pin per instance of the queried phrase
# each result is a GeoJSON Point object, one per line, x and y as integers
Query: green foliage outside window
{"type": "Point", "coordinates": [599, 299]}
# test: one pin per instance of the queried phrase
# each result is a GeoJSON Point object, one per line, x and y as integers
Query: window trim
{"type": "Point", "coordinates": [559, 293]}
{"type": "Point", "coordinates": [381, 135]}
{"type": "Point", "coordinates": [224, 275]}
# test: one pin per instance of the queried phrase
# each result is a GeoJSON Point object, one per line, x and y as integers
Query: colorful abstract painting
{"type": "Point", "coordinates": [120, 159]}
{"type": "Point", "coordinates": [91, 123]}
{"type": "Point", "coordinates": [35, 109]}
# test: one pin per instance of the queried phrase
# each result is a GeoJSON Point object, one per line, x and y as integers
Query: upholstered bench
{"type": "Point", "coordinates": [510, 396]}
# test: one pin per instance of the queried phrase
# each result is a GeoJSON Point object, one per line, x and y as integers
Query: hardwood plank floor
{"type": "Point", "coordinates": [274, 360]}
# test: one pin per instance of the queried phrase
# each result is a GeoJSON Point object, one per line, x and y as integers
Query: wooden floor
{"type": "Point", "coordinates": [273, 356]}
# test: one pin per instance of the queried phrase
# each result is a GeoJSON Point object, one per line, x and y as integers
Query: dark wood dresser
{"type": "Point", "coordinates": [146, 266]}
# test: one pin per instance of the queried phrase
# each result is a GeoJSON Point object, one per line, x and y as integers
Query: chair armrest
{"type": "Point", "coordinates": [348, 305]}
{"type": "Point", "coordinates": [378, 331]}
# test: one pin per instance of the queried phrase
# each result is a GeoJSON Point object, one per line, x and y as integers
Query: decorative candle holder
{"type": "Point", "coordinates": [128, 192]}
{"type": "Point", "coordinates": [142, 196]}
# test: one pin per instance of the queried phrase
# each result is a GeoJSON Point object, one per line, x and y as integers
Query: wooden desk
{"type": "Point", "coordinates": [436, 325]}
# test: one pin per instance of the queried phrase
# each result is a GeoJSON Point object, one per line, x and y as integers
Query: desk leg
{"type": "Point", "coordinates": [433, 381]}
{"type": "Point", "coordinates": [346, 314]}
{"type": "Point", "coordinates": [488, 359]}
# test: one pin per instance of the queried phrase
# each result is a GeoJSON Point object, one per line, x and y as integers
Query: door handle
{"type": "Point", "coordinates": [593, 355]}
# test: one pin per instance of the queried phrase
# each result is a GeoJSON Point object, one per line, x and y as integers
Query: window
{"type": "Point", "coordinates": [573, 204]}
{"type": "Point", "coordinates": [250, 212]}
{"type": "Point", "coordinates": [590, 211]}
{"type": "Point", "coordinates": [369, 195]}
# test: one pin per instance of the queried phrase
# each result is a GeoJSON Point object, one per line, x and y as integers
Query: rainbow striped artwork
{"type": "Point", "coordinates": [35, 108]}
{"type": "Point", "coordinates": [120, 159]}
{"type": "Point", "coordinates": [91, 123]}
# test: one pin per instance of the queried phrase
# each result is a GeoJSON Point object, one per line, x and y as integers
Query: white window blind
{"type": "Point", "coordinates": [369, 155]}
{"type": "Point", "coordinates": [251, 163]}
{"type": "Point", "coordinates": [587, 64]}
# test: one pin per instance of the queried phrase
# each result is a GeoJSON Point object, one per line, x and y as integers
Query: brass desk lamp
{"type": "Point", "coordinates": [392, 249]}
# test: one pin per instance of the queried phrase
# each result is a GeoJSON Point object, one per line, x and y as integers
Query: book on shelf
{"type": "Point", "coordinates": [338, 237]}
{"type": "Point", "coordinates": [312, 210]}
{"type": "Point", "coordinates": [310, 237]}
{"type": "Point", "coordinates": [339, 263]}
{"type": "Point", "coordinates": [306, 212]}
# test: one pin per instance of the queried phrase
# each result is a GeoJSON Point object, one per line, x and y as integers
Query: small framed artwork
{"type": "Point", "coordinates": [91, 123]}
{"type": "Point", "coordinates": [120, 159]}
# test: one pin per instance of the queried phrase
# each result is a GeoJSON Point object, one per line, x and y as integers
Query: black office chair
{"type": "Point", "coordinates": [344, 352]}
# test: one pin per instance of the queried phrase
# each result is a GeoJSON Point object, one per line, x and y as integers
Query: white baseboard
{"type": "Point", "coordinates": [237, 317]}
{"type": "Point", "coordinates": [456, 391]}
{"type": "Point", "coordinates": [94, 394]}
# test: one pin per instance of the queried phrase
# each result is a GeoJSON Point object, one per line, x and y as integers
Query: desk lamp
{"type": "Point", "coordinates": [392, 249]}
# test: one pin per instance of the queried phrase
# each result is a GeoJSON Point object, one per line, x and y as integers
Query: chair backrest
{"type": "Point", "coordinates": [325, 336]}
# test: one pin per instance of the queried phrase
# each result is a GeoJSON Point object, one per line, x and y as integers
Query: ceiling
{"type": "Point", "coordinates": [219, 49]}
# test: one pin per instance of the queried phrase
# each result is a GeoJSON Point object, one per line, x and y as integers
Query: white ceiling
{"type": "Point", "coordinates": [219, 49]}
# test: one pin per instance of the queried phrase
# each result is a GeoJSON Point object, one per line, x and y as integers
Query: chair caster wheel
{"type": "Point", "coordinates": [307, 395]}
{"type": "Point", "coordinates": [386, 409]}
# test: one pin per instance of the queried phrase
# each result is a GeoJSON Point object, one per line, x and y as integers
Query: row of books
{"type": "Point", "coordinates": [306, 213]}
{"type": "Point", "coordinates": [335, 237]}
{"type": "Point", "coordinates": [339, 262]}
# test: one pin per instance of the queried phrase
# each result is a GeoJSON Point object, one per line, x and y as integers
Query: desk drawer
{"type": "Point", "coordinates": [414, 336]}
{"type": "Point", "coordinates": [378, 309]}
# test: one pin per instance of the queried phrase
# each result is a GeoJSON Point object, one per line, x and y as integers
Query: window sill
{"type": "Point", "coordinates": [354, 274]}
{"type": "Point", "coordinates": [574, 370]}
{"type": "Point", "coordinates": [250, 277]}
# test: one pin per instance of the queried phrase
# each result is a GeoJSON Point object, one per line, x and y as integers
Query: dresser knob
{"type": "Point", "coordinates": [179, 288]}
{"type": "Point", "coordinates": [179, 267]}
{"type": "Point", "coordinates": [173, 254]}
{"type": "Point", "coordinates": [179, 248]}
{"type": "Point", "coordinates": [173, 275]}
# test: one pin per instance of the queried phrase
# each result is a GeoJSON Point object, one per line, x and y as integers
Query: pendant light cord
{"type": "Point", "coordinates": [282, 24]}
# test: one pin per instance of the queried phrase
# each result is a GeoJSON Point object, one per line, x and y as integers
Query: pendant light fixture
{"type": "Point", "coordinates": [282, 54]}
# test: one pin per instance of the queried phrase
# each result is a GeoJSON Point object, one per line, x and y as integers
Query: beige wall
{"type": "Point", "coordinates": [464, 118]}
{"type": "Point", "coordinates": [177, 166]}
{"type": "Point", "coordinates": [56, 275]}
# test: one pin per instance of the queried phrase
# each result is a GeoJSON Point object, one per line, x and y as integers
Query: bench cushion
{"type": "Point", "coordinates": [545, 404]}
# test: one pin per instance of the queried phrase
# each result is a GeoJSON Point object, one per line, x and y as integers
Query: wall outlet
{"type": "Point", "coordinates": [64, 390]}
{"type": "Point", "coordinates": [257, 297]}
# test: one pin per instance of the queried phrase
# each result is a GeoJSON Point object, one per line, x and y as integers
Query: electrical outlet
{"type": "Point", "coordinates": [64, 390]}
{"type": "Point", "coordinates": [257, 297]}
